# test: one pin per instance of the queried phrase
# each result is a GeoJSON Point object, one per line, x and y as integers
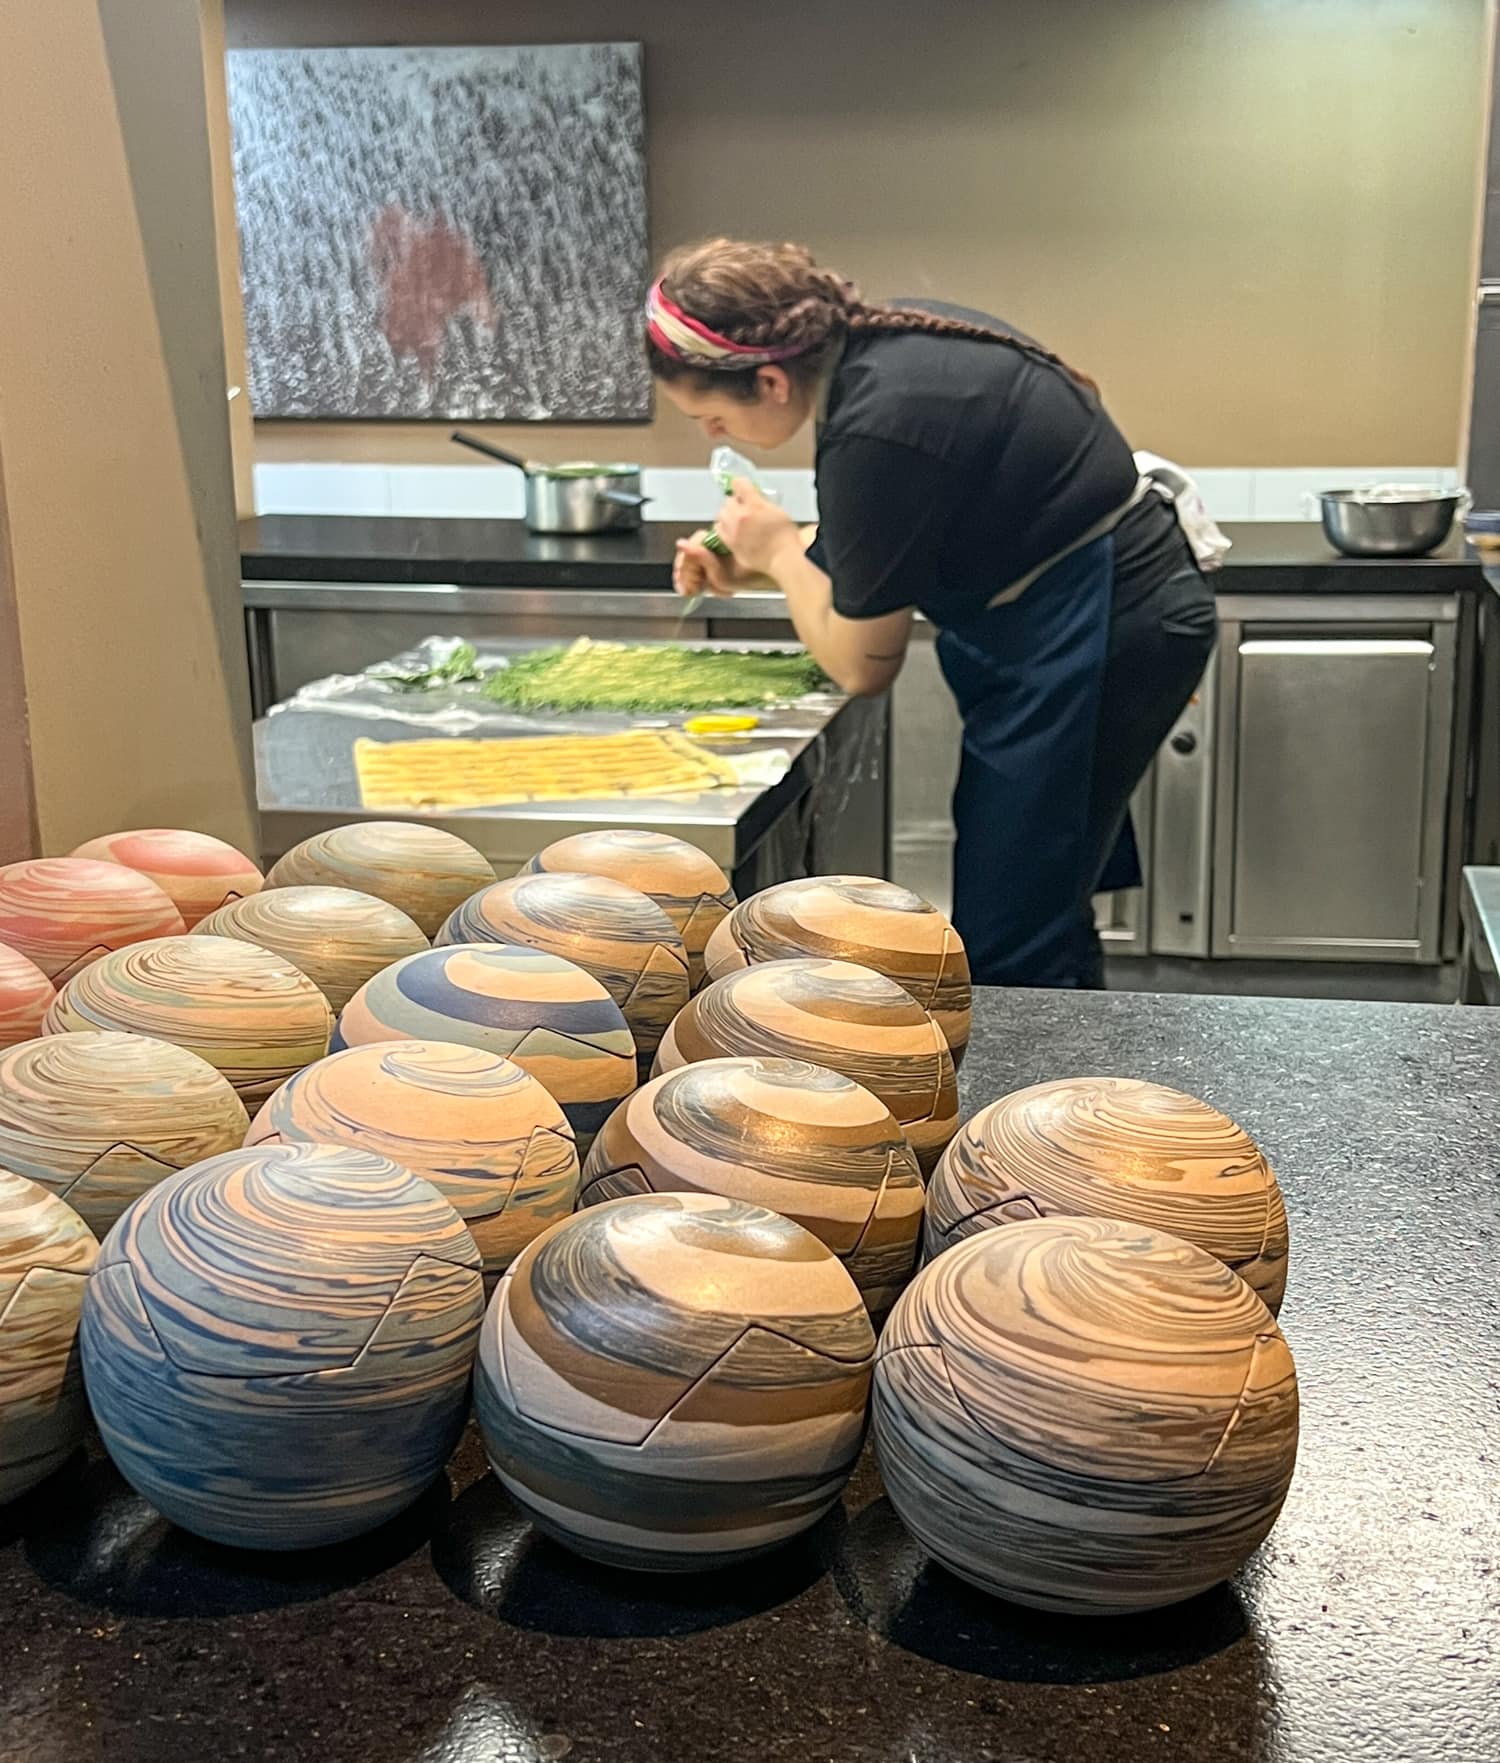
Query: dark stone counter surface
{"type": "Point", "coordinates": [1268, 557]}
{"type": "Point", "coordinates": [1366, 1629]}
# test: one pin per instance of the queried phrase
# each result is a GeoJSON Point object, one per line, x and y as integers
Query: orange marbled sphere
{"type": "Point", "coordinates": [97, 1118]}
{"type": "Point", "coordinates": [833, 1013]}
{"type": "Point", "coordinates": [46, 1252]}
{"type": "Point", "coordinates": [251, 1014]}
{"type": "Point", "coordinates": [64, 912]}
{"type": "Point", "coordinates": [614, 932]}
{"type": "Point", "coordinates": [1081, 1414]}
{"type": "Point", "coordinates": [674, 1381]}
{"type": "Point", "coordinates": [855, 918]}
{"type": "Point", "coordinates": [422, 869]}
{"type": "Point", "coordinates": [339, 938]}
{"type": "Point", "coordinates": [688, 885]}
{"type": "Point", "coordinates": [197, 872]}
{"type": "Point", "coordinates": [1115, 1147]}
{"type": "Point", "coordinates": [795, 1138]}
{"type": "Point", "coordinates": [484, 1132]}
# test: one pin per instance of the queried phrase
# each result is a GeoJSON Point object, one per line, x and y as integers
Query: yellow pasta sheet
{"type": "Point", "coordinates": [484, 774]}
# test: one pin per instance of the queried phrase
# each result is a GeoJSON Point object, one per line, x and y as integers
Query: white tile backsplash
{"type": "Point", "coordinates": [679, 493]}
{"type": "Point", "coordinates": [1285, 494]}
{"type": "Point", "coordinates": [471, 492]}
{"type": "Point", "coordinates": [1228, 495]}
{"type": "Point", "coordinates": [323, 489]}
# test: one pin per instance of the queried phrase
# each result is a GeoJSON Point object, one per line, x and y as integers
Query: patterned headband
{"type": "Point", "coordinates": [684, 339]}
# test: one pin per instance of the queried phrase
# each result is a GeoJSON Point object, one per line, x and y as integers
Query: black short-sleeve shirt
{"type": "Point", "coordinates": [949, 469]}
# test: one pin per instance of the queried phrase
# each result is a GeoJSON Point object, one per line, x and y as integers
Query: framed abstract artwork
{"type": "Point", "coordinates": [444, 233]}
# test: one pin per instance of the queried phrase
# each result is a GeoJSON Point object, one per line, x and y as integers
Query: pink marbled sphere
{"type": "Point", "coordinates": [197, 872]}
{"type": "Point", "coordinates": [25, 994]}
{"type": "Point", "coordinates": [65, 912]}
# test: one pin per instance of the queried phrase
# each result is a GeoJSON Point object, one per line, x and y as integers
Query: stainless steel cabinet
{"type": "Point", "coordinates": [926, 735]}
{"type": "Point", "coordinates": [1307, 805]}
{"type": "Point", "coordinates": [1335, 736]}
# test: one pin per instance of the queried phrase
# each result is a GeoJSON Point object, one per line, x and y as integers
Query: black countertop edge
{"type": "Point", "coordinates": [1267, 556]}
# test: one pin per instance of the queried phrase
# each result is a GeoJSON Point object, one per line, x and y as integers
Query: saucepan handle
{"type": "Point", "coordinates": [623, 498]}
{"type": "Point", "coordinates": [491, 451]}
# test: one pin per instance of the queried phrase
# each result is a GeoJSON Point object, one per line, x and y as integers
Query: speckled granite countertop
{"type": "Point", "coordinates": [1367, 1628]}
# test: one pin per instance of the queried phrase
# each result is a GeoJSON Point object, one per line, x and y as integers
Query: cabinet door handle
{"type": "Point", "coordinates": [1336, 646]}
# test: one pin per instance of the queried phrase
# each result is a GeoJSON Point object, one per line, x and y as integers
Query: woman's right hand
{"type": "Point", "coordinates": [697, 570]}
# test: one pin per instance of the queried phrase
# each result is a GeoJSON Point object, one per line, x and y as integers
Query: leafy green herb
{"type": "Point", "coordinates": [461, 665]}
{"type": "Point", "coordinates": [645, 677]}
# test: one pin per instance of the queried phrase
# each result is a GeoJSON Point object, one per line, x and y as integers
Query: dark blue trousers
{"type": "Point", "coordinates": [1065, 694]}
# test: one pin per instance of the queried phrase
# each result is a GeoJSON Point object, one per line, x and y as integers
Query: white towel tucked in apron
{"type": "Point", "coordinates": [1172, 483]}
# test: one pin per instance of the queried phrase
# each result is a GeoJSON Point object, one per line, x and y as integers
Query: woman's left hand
{"type": "Point", "coordinates": [755, 530]}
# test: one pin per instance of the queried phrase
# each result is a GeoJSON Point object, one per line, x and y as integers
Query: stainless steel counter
{"type": "Point", "coordinates": [300, 631]}
{"type": "Point", "coordinates": [826, 813]}
{"type": "Point", "coordinates": [1307, 633]}
{"type": "Point", "coordinates": [1479, 910]}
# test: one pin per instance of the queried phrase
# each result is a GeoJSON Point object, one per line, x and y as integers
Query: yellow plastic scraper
{"type": "Point", "coordinates": [720, 725]}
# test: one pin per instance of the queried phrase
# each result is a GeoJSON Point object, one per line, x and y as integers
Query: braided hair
{"type": "Point", "coordinates": [777, 297]}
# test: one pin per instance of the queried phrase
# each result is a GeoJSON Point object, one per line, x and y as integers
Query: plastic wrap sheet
{"type": "Point", "coordinates": [462, 709]}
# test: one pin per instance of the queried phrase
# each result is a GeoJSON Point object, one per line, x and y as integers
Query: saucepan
{"type": "Point", "coordinates": [577, 497]}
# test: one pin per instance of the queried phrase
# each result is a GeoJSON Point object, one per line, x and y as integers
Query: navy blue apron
{"type": "Point", "coordinates": [1033, 845]}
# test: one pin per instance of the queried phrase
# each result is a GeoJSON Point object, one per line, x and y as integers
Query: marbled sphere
{"type": "Point", "coordinates": [46, 1251]}
{"type": "Point", "coordinates": [277, 1343]}
{"type": "Point", "coordinates": [98, 1118]}
{"type": "Point", "coordinates": [485, 1133]}
{"type": "Point", "coordinates": [420, 869]}
{"type": "Point", "coordinates": [64, 912]}
{"type": "Point", "coordinates": [688, 886]}
{"type": "Point", "coordinates": [1114, 1147]}
{"type": "Point", "coordinates": [249, 1013]}
{"type": "Point", "coordinates": [339, 938]}
{"type": "Point", "coordinates": [25, 995]}
{"type": "Point", "coordinates": [609, 930]}
{"type": "Point", "coordinates": [834, 1013]}
{"type": "Point", "coordinates": [795, 1138]}
{"type": "Point", "coordinates": [553, 1019]}
{"type": "Point", "coordinates": [197, 872]}
{"type": "Point", "coordinates": [855, 918]}
{"type": "Point", "coordinates": [674, 1381]}
{"type": "Point", "coordinates": [1084, 1415]}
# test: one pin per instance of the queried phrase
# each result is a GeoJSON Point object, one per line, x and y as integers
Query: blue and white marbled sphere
{"type": "Point", "coordinates": [532, 1007]}
{"type": "Point", "coordinates": [277, 1343]}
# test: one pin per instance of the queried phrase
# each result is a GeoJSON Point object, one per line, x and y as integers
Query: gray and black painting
{"type": "Point", "coordinates": [455, 233]}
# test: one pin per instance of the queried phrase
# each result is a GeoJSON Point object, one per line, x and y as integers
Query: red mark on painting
{"type": "Point", "coordinates": [430, 274]}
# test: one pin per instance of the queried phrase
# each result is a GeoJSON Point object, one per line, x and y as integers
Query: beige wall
{"type": "Point", "coordinates": [1249, 218]}
{"type": "Point", "coordinates": [226, 239]}
{"type": "Point", "coordinates": [119, 608]}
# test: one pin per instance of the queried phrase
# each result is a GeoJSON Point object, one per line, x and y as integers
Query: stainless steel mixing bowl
{"type": "Point", "coordinates": [1393, 521]}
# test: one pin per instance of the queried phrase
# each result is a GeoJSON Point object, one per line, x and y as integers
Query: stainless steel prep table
{"type": "Point", "coordinates": [1305, 631]}
{"type": "Point", "coordinates": [825, 814]}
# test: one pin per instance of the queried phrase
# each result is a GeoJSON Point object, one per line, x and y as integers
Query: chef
{"type": "Point", "coordinates": [965, 472]}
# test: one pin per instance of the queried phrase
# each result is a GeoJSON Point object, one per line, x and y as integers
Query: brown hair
{"type": "Point", "coordinates": [776, 296]}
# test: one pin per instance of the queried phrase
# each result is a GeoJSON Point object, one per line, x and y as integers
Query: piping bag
{"type": "Point", "coordinates": [726, 465]}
